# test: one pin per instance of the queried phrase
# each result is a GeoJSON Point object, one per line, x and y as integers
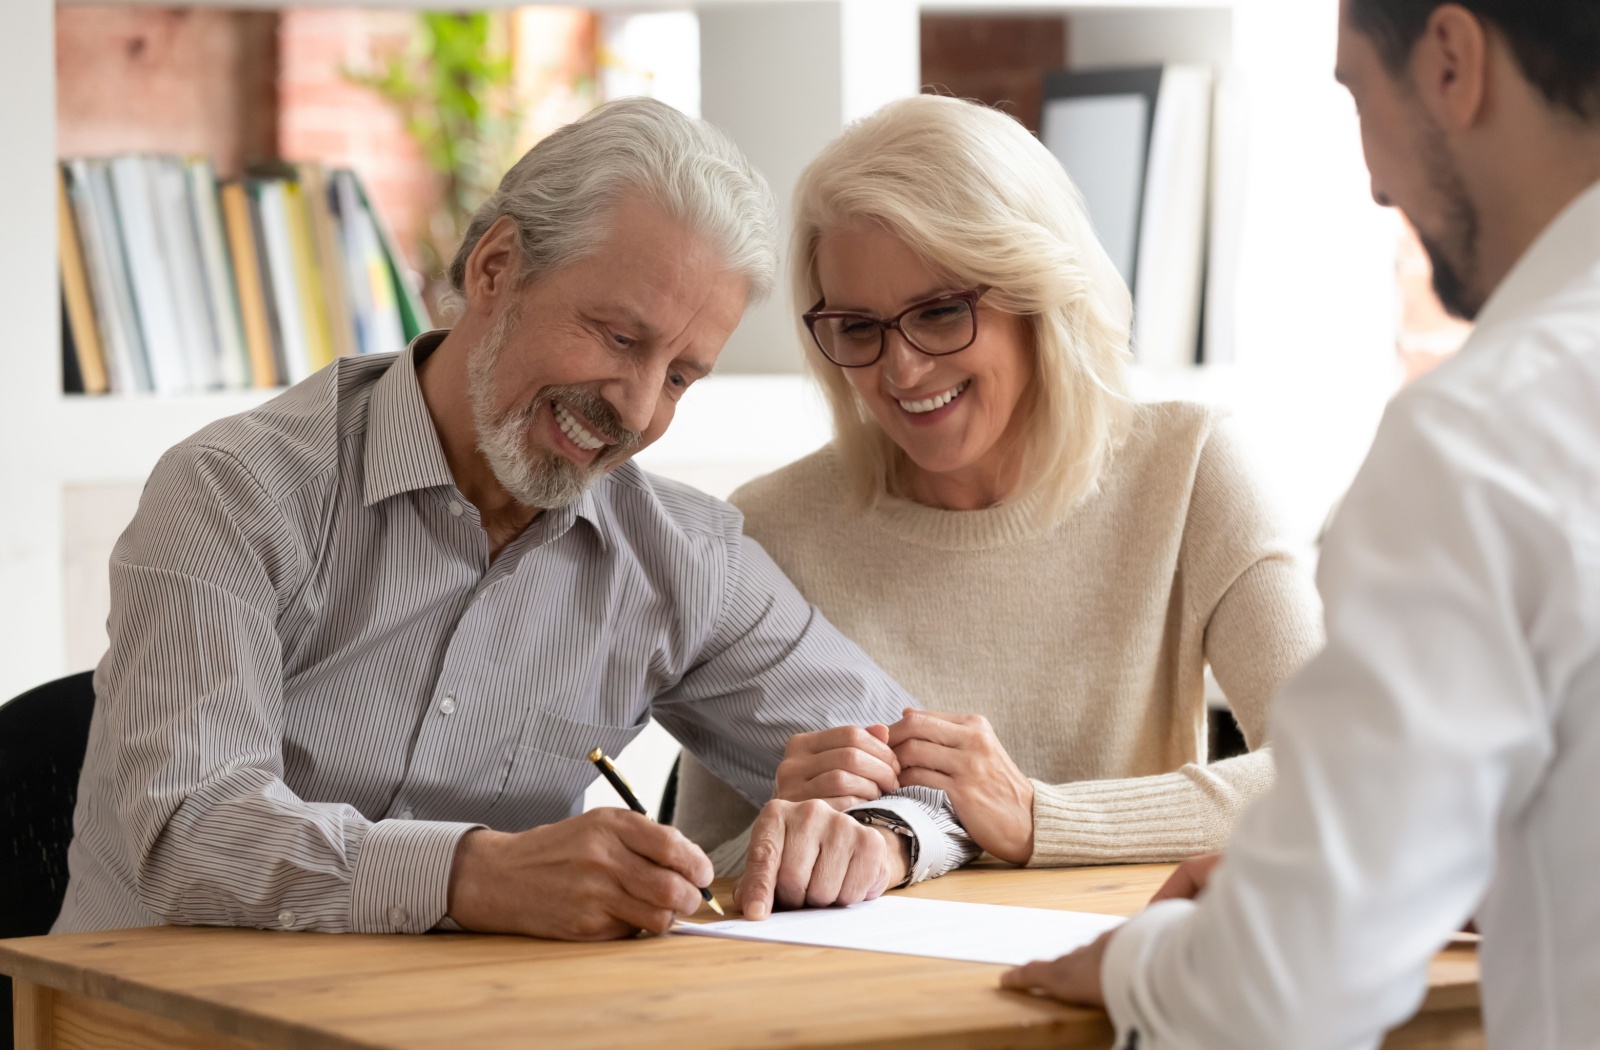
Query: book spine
{"type": "Point", "coordinates": [274, 230]}
{"type": "Point", "coordinates": [251, 289]}
{"type": "Point", "coordinates": [180, 249]}
{"type": "Point", "coordinates": [80, 325]}
{"type": "Point", "coordinates": [114, 266]}
{"type": "Point", "coordinates": [148, 276]}
{"type": "Point", "coordinates": [233, 361]}
{"type": "Point", "coordinates": [330, 259]}
{"type": "Point", "coordinates": [414, 317]}
{"type": "Point", "coordinates": [309, 286]}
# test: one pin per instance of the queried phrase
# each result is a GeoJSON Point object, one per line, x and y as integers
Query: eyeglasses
{"type": "Point", "coordinates": [945, 324]}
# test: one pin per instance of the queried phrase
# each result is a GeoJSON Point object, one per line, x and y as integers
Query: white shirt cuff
{"type": "Point", "coordinates": [1124, 973]}
{"type": "Point", "coordinates": [931, 840]}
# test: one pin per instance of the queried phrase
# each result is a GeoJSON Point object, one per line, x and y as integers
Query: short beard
{"type": "Point", "coordinates": [1454, 253]}
{"type": "Point", "coordinates": [533, 477]}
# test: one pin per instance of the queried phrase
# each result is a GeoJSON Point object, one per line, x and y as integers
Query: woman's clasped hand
{"type": "Point", "coordinates": [958, 754]}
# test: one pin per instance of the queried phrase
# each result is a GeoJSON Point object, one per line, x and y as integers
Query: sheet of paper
{"type": "Point", "coordinates": [989, 933]}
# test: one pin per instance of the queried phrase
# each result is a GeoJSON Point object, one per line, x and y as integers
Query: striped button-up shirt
{"type": "Point", "coordinates": [318, 680]}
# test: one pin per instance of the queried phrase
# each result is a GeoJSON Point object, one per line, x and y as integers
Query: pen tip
{"type": "Point", "coordinates": [596, 755]}
{"type": "Point", "coordinates": [715, 906]}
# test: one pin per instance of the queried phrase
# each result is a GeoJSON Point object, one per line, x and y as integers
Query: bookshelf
{"type": "Point", "coordinates": [1314, 340]}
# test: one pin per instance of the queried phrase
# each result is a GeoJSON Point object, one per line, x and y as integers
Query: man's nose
{"type": "Point", "coordinates": [633, 398]}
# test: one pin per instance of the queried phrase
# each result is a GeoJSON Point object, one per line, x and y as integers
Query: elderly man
{"type": "Point", "coordinates": [1441, 759]}
{"type": "Point", "coordinates": [363, 637]}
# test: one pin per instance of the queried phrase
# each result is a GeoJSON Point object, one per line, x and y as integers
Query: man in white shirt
{"type": "Point", "coordinates": [1440, 760]}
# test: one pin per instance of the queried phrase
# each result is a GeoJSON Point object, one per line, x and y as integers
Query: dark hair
{"type": "Point", "coordinates": [1557, 42]}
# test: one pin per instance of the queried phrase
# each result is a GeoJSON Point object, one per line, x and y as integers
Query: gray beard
{"type": "Point", "coordinates": [533, 477]}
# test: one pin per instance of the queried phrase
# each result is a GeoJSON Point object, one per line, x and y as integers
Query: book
{"type": "Point", "coordinates": [380, 328]}
{"type": "Point", "coordinates": [108, 276]}
{"type": "Point", "coordinates": [309, 282]}
{"type": "Point", "coordinates": [272, 212]}
{"type": "Point", "coordinates": [173, 282]}
{"type": "Point", "coordinates": [78, 320]}
{"type": "Point", "coordinates": [233, 360]}
{"type": "Point", "coordinates": [179, 244]}
{"type": "Point", "coordinates": [249, 285]}
{"type": "Point", "coordinates": [318, 191]}
{"type": "Point", "coordinates": [148, 277]}
{"type": "Point", "coordinates": [413, 314]}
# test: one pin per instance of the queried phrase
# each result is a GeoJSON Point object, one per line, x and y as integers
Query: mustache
{"type": "Point", "coordinates": [598, 413]}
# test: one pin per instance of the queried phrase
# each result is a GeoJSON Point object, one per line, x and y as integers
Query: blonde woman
{"type": "Point", "coordinates": [1000, 527]}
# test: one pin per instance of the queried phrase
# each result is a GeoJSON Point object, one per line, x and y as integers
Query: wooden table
{"type": "Point", "coordinates": [178, 988]}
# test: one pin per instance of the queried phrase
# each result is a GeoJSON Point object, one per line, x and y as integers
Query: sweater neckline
{"type": "Point", "coordinates": [1004, 524]}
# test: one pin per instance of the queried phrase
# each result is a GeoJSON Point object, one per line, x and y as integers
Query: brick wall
{"type": "Point", "coordinates": [1000, 60]}
{"type": "Point", "coordinates": [182, 80]}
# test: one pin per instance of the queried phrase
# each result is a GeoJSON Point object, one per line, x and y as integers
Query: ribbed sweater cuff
{"type": "Point", "coordinates": [1139, 820]}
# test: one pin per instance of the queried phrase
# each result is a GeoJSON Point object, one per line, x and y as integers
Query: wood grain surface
{"type": "Point", "coordinates": [275, 989]}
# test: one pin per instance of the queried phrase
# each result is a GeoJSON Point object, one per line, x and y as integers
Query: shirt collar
{"type": "Point", "coordinates": [403, 453]}
{"type": "Point", "coordinates": [1567, 249]}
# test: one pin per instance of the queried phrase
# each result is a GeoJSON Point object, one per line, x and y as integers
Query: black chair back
{"type": "Point", "coordinates": [43, 735]}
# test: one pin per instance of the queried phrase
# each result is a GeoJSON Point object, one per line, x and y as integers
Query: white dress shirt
{"type": "Point", "coordinates": [1441, 758]}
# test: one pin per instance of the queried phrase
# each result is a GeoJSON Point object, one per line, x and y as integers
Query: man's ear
{"type": "Point", "coordinates": [1450, 67]}
{"type": "Point", "coordinates": [492, 266]}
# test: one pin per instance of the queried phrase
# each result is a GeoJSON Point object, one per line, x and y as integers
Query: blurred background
{"type": "Point", "coordinates": [316, 164]}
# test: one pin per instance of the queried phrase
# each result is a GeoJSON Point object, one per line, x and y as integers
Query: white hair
{"type": "Point", "coordinates": [563, 191]}
{"type": "Point", "coordinates": [983, 201]}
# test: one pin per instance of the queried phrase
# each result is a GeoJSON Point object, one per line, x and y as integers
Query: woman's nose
{"type": "Point", "coordinates": [903, 364]}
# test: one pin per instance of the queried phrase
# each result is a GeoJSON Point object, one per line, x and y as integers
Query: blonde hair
{"type": "Point", "coordinates": [978, 197]}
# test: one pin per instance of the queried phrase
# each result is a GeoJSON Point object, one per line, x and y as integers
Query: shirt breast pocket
{"type": "Point", "coordinates": [550, 769]}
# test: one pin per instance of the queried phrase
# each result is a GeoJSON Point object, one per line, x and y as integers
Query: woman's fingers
{"type": "Point", "coordinates": [870, 740]}
{"type": "Point", "coordinates": [918, 776]}
{"type": "Point", "coordinates": [940, 728]}
{"type": "Point", "coordinates": [929, 755]}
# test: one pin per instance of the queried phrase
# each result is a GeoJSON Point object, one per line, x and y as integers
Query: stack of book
{"type": "Point", "coordinates": [172, 281]}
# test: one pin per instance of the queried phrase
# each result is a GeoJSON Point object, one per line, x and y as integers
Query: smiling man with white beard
{"type": "Point", "coordinates": [363, 637]}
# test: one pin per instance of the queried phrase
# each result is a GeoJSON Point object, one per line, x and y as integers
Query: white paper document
{"type": "Point", "coordinates": [989, 933]}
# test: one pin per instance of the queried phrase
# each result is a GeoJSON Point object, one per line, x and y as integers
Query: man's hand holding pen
{"type": "Point", "coordinates": [598, 876]}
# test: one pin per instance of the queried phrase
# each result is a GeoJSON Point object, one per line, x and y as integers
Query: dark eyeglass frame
{"type": "Point", "coordinates": [817, 313]}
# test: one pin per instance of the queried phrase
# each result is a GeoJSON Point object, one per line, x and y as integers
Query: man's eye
{"type": "Point", "coordinates": [620, 339]}
{"type": "Point", "coordinates": [677, 380]}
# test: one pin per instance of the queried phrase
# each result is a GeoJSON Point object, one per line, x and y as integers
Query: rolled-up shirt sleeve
{"type": "Point", "coordinates": [774, 667]}
{"type": "Point", "coordinates": [189, 733]}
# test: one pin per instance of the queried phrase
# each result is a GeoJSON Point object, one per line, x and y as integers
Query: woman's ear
{"type": "Point", "coordinates": [492, 267]}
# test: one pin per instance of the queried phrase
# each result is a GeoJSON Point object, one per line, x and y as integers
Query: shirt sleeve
{"type": "Point", "coordinates": [189, 806]}
{"type": "Point", "coordinates": [774, 667]}
{"type": "Point", "coordinates": [1419, 728]}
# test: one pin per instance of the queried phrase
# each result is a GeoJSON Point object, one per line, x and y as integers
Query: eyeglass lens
{"type": "Point", "coordinates": [934, 328]}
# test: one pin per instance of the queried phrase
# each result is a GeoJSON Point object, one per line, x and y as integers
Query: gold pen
{"type": "Point", "coordinates": [609, 771]}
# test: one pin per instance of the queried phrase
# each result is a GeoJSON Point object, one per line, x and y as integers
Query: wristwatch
{"type": "Point", "coordinates": [877, 818]}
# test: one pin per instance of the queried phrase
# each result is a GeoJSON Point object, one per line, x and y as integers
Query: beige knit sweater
{"type": "Point", "coordinates": [1084, 644]}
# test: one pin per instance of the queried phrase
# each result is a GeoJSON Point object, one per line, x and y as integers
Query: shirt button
{"type": "Point", "coordinates": [397, 916]}
{"type": "Point", "coordinates": [286, 918]}
{"type": "Point", "coordinates": [405, 814]}
{"type": "Point", "coordinates": [456, 508]}
{"type": "Point", "coordinates": [448, 705]}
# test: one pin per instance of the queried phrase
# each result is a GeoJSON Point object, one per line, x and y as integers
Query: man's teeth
{"type": "Point", "coordinates": [575, 431]}
{"type": "Point", "coordinates": [928, 404]}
